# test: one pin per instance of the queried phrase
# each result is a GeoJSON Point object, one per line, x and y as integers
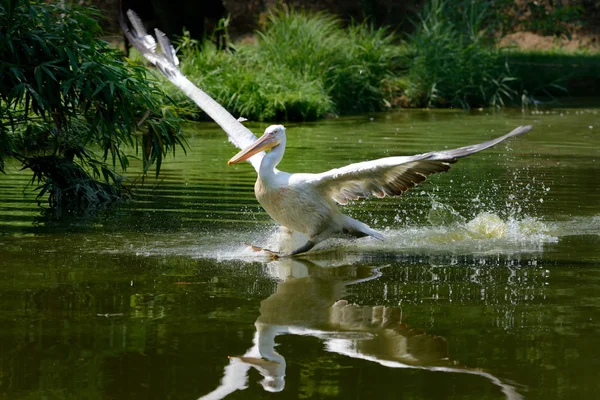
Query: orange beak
{"type": "Point", "coordinates": [265, 142]}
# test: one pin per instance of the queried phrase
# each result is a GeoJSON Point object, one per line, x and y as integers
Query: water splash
{"type": "Point", "coordinates": [448, 233]}
{"type": "Point", "coordinates": [485, 233]}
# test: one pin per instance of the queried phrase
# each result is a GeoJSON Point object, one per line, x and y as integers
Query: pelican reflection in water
{"type": "Point", "coordinates": [307, 303]}
{"type": "Point", "coordinates": [303, 202]}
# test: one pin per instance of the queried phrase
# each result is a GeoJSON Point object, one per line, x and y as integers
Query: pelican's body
{"type": "Point", "coordinates": [305, 203]}
{"type": "Point", "coordinates": [295, 206]}
{"type": "Point", "coordinates": [298, 202]}
{"type": "Point", "coordinates": [299, 207]}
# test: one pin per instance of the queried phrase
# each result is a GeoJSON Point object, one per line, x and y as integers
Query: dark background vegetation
{"type": "Point", "coordinates": [249, 15]}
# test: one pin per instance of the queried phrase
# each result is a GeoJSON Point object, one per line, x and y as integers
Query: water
{"type": "Point", "coordinates": [485, 288]}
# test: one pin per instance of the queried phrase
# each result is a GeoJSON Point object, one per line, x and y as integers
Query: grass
{"type": "Point", "coordinates": [305, 66]}
{"type": "Point", "coordinates": [452, 61]}
{"type": "Point", "coordinates": [302, 67]}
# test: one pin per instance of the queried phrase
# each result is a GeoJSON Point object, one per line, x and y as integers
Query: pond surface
{"type": "Point", "coordinates": [487, 286]}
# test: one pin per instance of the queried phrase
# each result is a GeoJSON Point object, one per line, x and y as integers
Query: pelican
{"type": "Point", "coordinates": [303, 202]}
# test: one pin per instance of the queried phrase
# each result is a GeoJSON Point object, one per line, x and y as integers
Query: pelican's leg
{"type": "Point", "coordinates": [275, 254]}
{"type": "Point", "coordinates": [283, 230]}
{"type": "Point", "coordinates": [305, 247]}
{"type": "Point", "coordinates": [313, 240]}
{"type": "Point", "coordinates": [253, 247]}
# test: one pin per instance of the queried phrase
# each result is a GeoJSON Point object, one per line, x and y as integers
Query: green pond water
{"type": "Point", "coordinates": [486, 287]}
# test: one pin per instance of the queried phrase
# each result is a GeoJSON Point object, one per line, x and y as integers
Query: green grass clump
{"type": "Point", "coordinates": [247, 87]}
{"type": "Point", "coordinates": [354, 64]}
{"type": "Point", "coordinates": [453, 61]}
{"type": "Point", "coordinates": [303, 66]}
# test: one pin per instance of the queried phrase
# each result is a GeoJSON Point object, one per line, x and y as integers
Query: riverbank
{"type": "Point", "coordinates": [309, 66]}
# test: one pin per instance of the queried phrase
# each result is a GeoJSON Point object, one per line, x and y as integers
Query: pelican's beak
{"type": "Point", "coordinates": [265, 142]}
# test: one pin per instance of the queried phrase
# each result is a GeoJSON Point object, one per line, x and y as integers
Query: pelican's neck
{"type": "Point", "coordinates": [265, 340]}
{"type": "Point", "coordinates": [268, 166]}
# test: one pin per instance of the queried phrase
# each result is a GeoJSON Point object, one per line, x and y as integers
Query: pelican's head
{"type": "Point", "coordinates": [273, 135]}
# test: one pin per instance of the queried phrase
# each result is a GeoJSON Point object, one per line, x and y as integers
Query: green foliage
{"type": "Point", "coordinates": [301, 67]}
{"type": "Point", "coordinates": [453, 58]}
{"type": "Point", "coordinates": [250, 88]}
{"type": "Point", "coordinates": [70, 106]}
{"type": "Point", "coordinates": [499, 17]}
{"type": "Point", "coordinates": [452, 61]}
{"type": "Point", "coordinates": [354, 64]}
{"type": "Point", "coordinates": [304, 66]}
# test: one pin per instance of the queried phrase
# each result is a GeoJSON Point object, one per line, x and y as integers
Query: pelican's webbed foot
{"type": "Point", "coordinates": [275, 254]}
{"type": "Point", "coordinates": [271, 253]}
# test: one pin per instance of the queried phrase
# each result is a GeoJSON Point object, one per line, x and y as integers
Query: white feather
{"type": "Point", "coordinates": [238, 134]}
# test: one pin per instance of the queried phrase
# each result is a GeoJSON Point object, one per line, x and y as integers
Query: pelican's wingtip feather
{"type": "Point", "coordinates": [520, 130]}
{"type": "Point", "coordinates": [139, 38]}
{"type": "Point", "coordinates": [166, 47]}
{"type": "Point", "coordinates": [137, 23]}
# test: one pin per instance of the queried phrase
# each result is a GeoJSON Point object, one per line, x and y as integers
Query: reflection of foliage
{"type": "Point", "coordinates": [64, 95]}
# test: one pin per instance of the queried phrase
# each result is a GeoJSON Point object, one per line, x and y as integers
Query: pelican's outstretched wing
{"type": "Point", "coordinates": [167, 63]}
{"type": "Point", "coordinates": [392, 176]}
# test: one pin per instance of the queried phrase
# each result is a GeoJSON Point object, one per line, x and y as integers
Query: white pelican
{"type": "Point", "coordinates": [304, 203]}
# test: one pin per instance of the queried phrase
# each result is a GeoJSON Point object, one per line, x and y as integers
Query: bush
{"type": "Point", "coordinates": [70, 107]}
{"type": "Point", "coordinates": [354, 64]}
{"type": "Point", "coordinates": [247, 87]}
{"type": "Point", "coordinates": [302, 67]}
{"type": "Point", "coordinates": [452, 61]}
